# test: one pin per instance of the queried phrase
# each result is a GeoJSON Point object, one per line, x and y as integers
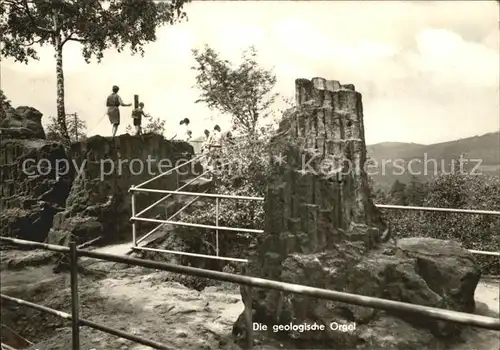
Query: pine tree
{"type": "Point", "coordinates": [397, 194]}
{"type": "Point", "coordinates": [415, 192]}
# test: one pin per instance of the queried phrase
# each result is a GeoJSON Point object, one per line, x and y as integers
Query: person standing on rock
{"type": "Point", "coordinates": [228, 137]}
{"type": "Point", "coordinates": [113, 102]}
{"type": "Point", "coordinates": [216, 139]}
{"type": "Point", "coordinates": [206, 141]}
{"type": "Point", "coordinates": [215, 147]}
{"type": "Point", "coordinates": [137, 115]}
{"type": "Point", "coordinates": [183, 133]}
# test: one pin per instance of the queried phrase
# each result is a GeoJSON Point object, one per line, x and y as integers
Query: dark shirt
{"type": "Point", "coordinates": [137, 113]}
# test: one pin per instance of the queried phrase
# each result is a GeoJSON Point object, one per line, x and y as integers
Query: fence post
{"type": "Point", "coordinates": [75, 303]}
{"type": "Point", "coordinates": [134, 238]}
{"type": "Point", "coordinates": [217, 224]}
{"type": "Point", "coordinates": [177, 182]}
{"type": "Point", "coordinates": [248, 316]}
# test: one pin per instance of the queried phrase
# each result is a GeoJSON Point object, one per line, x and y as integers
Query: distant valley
{"type": "Point", "coordinates": [427, 160]}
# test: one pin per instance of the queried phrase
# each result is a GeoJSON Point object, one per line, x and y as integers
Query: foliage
{"type": "Point", "coordinates": [154, 126]}
{"type": "Point", "coordinates": [244, 92]}
{"type": "Point", "coordinates": [97, 25]}
{"type": "Point", "coordinates": [398, 193]}
{"type": "Point", "coordinates": [4, 104]}
{"type": "Point", "coordinates": [415, 192]}
{"type": "Point", "coordinates": [77, 128]}
{"type": "Point", "coordinates": [243, 174]}
{"type": "Point", "coordinates": [460, 191]}
{"type": "Point", "coordinates": [4, 101]}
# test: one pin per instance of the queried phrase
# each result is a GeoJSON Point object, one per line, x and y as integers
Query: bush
{"type": "Point", "coordinates": [243, 174]}
{"type": "Point", "coordinates": [76, 128]}
{"type": "Point", "coordinates": [479, 232]}
{"type": "Point", "coordinates": [4, 105]}
{"type": "Point", "coordinates": [153, 126]}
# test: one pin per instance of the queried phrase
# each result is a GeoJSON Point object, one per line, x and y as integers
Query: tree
{"type": "Point", "coordinates": [415, 192]}
{"type": "Point", "coordinates": [4, 105]}
{"type": "Point", "coordinates": [98, 25]}
{"type": "Point", "coordinates": [4, 101]}
{"type": "Point", "coordinates": [398, 193]}
{"type": "Point", "coordinates": [76, 127]}
{"type": "Point", "coordinates": [155, 126]}
{"type": "Point", "coordinates": [461, 191]}
{"type": "Point", "coordinates": [245, 172]}
{"type": "Point", "coordinates": [244, 92]}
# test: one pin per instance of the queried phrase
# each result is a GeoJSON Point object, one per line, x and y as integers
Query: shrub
{"type": "Point", "coordinates": [243, 174]}
{"type": "Point", "coordinates": [460, 191]}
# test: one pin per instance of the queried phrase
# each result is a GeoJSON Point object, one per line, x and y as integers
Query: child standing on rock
{"type": "Point", "coordinates": [137, 114]}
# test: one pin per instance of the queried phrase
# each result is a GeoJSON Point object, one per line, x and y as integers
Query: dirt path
{"type": "Point", "coordinates": [487, 293]}
{"type": "Point", "coordinates": [146, 303]}
{"type": "Point", "coordinates": [487, 304]}
{"type": "Point", "coordinates": [118, 249]}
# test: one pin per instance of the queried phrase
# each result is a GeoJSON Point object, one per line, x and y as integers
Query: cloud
{"type": "Point", "coordinates": [448, 58]}
{"type": "Point", "coordinates": [420, 66]}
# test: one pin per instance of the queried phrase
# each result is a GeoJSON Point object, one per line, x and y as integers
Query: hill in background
{"type": "Point", "coordinates": [425, 161]}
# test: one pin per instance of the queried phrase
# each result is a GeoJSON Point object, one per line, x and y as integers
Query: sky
{"type": "Point", "coordinates": [428, 71]}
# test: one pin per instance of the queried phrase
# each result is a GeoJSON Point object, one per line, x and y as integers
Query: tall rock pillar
{"type": "Point", "coordinates": [323, 230]}
{"type": "Point", "coordinates": [319, 216]}
{"type": "Point", "coordinates": [319, 193]}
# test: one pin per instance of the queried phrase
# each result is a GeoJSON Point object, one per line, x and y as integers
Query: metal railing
{"type": "Point", "coordinates": [74, 317]}
{"type": "Point", "coordinates": [134, 239]}
{"type": "Point", "coordinates": [217, 227]}
{"type": "Point", "coordinates": [448, 210]}
{"type": "Point", "coordinates": [444, 210]}
{"type": "Point", "coordinates": [137, 216]}
{"type": "Point", "coordinates": [248, 282]}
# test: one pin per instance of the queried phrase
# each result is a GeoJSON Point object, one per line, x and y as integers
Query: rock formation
{"type": "Point", "coordinates": [322, 230]}
{"type": "Point", "coordinates": [31, 192]}
{"type": "Point", "coordinates": [99, 203]}
{"type": "Point", "coordinates": [51, 193]}
{"type": "Point", "coordinates": [22, 123]}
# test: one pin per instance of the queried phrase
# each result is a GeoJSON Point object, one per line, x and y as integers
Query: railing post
{"type": "Point", "coordinates": [75, 303]}
{"type": "Point", "coordinates": [248, 316]}
{"type": "Point", "coordinates": [177, 183]}
{"type": "Point", "coordinates": [134, 237]}
{"type": "Point", "coordinates": [217, 224]}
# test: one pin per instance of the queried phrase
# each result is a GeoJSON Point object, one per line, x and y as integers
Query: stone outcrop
{"type": "Point", "coordinates": [22, 123]}
{"type": "Point", "coordinates": [49, 193]}
{"type": "Point", "coordinates": [322, 230]}
{"type": "Point", "coordinates": [32, 189]}
{"type": "Point", "coordinates": [99, 203]}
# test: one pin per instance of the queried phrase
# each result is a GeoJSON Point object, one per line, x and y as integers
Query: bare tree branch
{"type": "Point", "coordinates": [71, 38]}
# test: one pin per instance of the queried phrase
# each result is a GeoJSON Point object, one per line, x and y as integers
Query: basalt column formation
{"type": "Point", "coordinates": [320, 193]}
{"type": "Point", "coordinates": [323, 230]}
